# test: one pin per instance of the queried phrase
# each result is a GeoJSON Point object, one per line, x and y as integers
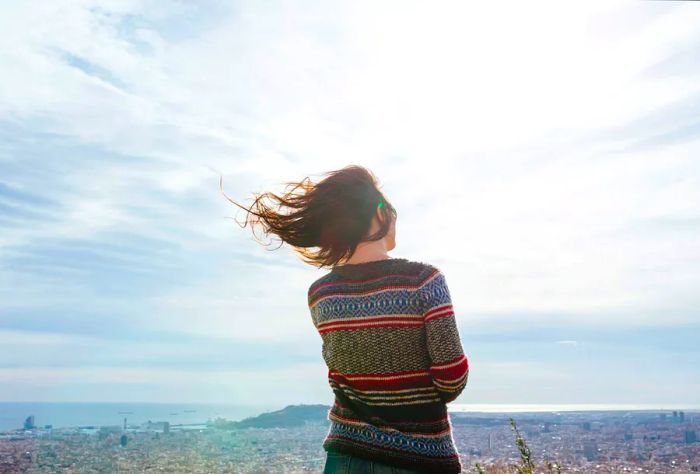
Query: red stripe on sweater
{"type": "Point", "coordinates": [438, 309]}
{"type": "Point", "coordinates": [368, 325]}
{"type": "Point", "coordinates": [447, 312]}
{"type": "Point", "coordinates": [369, 319]}
{"type": "Point", "coordinates": [419, 380]}
{"type": "Point", "coordinates": [453, 372]}
{"type": "Point", "coordinates": [427, 422]}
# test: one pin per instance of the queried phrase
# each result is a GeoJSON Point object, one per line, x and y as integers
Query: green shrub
{"type": "Point", "coordinates": [526, 465]}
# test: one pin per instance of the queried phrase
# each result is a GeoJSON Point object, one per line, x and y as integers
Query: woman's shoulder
{"type": "Point", "coordinates": [416, 272]}
{"type": "Point", "coordinates": [409, 270]}
{"type": "Point", "coordinates": [422, 269]}
{"type": "Point", "coordinates": [421, 265]}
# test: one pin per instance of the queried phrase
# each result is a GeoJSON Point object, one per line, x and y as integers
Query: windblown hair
{"type": "Point", "coordinates": [332, 216]}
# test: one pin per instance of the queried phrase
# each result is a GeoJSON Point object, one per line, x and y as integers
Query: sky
{"type": "Point", "coordinates": [545, 156]}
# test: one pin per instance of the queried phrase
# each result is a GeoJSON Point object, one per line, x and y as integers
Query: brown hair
{"type": "Point", "coordinates": [332, 215]}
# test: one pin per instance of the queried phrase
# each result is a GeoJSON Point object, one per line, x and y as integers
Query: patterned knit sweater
{"type": "Point", "coordinates": [394, 359]}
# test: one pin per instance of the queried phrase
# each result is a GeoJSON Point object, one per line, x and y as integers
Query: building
{"type": "Point", "coordinates": [690, 437]}
{"type": "Point", "coordinates": [29, 423]}
{"type": "Point", "coordinates": [590, 450]}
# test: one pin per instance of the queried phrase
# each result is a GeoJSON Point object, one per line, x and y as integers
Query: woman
{"type": "Point", "coordinates": [390, 338]}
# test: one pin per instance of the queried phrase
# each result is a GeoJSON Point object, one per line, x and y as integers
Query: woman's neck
{"type": "Point", "coordinates": [362, 257]}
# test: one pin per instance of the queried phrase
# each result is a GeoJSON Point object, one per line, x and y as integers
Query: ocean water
{"type": "Point", "coordinates": [552, 407]}
{"type": "Point", "coordinates": [13, 414]}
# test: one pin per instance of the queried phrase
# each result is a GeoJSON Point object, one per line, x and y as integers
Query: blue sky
{"type": "Point", "coordinates": [544, 156]}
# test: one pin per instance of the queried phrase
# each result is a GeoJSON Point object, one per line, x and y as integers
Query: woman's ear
{"type": "Point", "coordinates": [379, 215]}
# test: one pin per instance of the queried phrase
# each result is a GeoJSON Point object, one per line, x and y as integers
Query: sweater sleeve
{"type": "Point", "coordinates": [449, 365]}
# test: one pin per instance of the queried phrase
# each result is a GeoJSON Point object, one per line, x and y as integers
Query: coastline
{"type": "Point", "coordinates": [199, 416]}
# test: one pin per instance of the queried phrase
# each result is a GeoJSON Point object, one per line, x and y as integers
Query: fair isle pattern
{"type": "Point", "coordinates": [394, 358]}
{"type": "Point", "coordinates": [433, 446]}
{"type": "Point", "coordinates": [432, 452]}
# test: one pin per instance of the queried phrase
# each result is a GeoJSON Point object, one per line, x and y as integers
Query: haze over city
{"type": "Point", "coordinates": [549, 168]}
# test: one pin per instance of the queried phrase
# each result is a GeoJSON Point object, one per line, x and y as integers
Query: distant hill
{"type": "Point", "coordinates": [288, 417]}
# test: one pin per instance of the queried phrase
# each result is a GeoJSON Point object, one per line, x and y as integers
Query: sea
{"type": "Point", "coordinates": [74, 414]}
{"type": "Point", "coordinates": [77, 414]}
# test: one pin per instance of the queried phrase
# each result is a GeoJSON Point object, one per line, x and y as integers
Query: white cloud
{"type": "Point", "coordinates": [301, 383]}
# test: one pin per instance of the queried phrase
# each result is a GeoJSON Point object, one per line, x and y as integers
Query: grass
{"type": "Point", "coordinates": [526, 465]}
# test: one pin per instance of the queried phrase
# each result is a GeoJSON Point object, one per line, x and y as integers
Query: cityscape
{"type": "Point", "coordinates": [289, 441]}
